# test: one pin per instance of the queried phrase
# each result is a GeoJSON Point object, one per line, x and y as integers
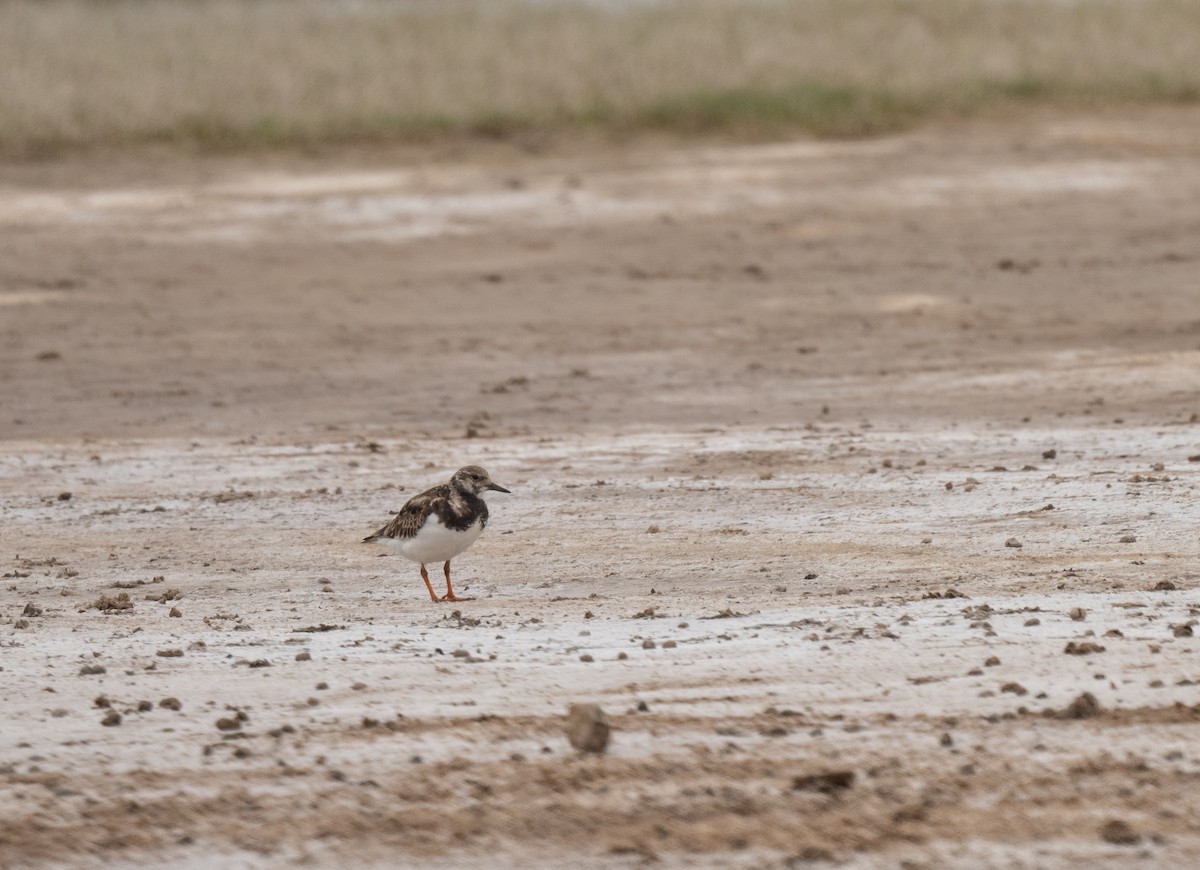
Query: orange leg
{"type": "Point", "coordinates": [450, 596]}
{"type": "Point", "coordinates": [428, 585]}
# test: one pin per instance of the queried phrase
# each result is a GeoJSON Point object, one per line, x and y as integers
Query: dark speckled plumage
{"type": "Point", "coordinates": [457, 510]}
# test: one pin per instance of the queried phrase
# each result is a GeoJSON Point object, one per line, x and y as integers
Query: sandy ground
{"type": "Point", "coordinates": [855, 481]}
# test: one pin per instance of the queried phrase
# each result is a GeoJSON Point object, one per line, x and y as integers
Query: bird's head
{"type": "Point", "coordinates": [474, 480]}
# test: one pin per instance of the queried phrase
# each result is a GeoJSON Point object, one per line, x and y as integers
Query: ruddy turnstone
{"type": "Point", "coordinates": [440, 523]}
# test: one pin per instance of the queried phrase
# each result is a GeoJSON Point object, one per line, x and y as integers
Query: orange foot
{"type": "Point", "coordinates": [449, 596]}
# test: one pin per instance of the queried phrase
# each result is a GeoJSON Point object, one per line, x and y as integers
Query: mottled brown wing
{"type": "Point", "coordinates": [413, 515]}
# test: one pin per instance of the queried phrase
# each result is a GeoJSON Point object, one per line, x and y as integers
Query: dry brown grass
{"type": "Point", "coordinates": [236, 72]}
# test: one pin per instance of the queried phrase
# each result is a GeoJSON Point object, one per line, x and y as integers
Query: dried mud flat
{"type": "Point", "coordinates": [855, 482]}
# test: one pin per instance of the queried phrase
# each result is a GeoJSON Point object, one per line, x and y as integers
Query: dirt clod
{"type": "Point", "coordinates": [949, 593]}
{"type": "Point", "coordinates": [1119, 833]}
{"type": "Point", "coordinates": [587, 728]}
{"type": "Point", "coordinates": [826, 782]}
{"type": "Point", "coordinates": [808, 856]}
{"type": "Point", "coordinates": [118, 603]}
{"type": "Point", "coordinates": [1084, 707]}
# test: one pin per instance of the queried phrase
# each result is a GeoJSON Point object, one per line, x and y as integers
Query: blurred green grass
{"type": "Point", "coordinates": [267, 73]}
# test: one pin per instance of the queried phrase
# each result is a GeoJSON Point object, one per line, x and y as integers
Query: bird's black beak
{"type": "Point", "coordinates": [498, 488]}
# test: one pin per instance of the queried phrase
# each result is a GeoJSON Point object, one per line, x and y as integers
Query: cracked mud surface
{"type": "Point", "coordinates": [854, 481]}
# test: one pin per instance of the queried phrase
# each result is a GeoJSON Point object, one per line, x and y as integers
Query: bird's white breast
{"type": "Point", "coordinates": [433, 542]}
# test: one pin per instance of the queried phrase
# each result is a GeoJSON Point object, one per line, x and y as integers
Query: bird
{"type": "Point", "coordinates": [440, 523]}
